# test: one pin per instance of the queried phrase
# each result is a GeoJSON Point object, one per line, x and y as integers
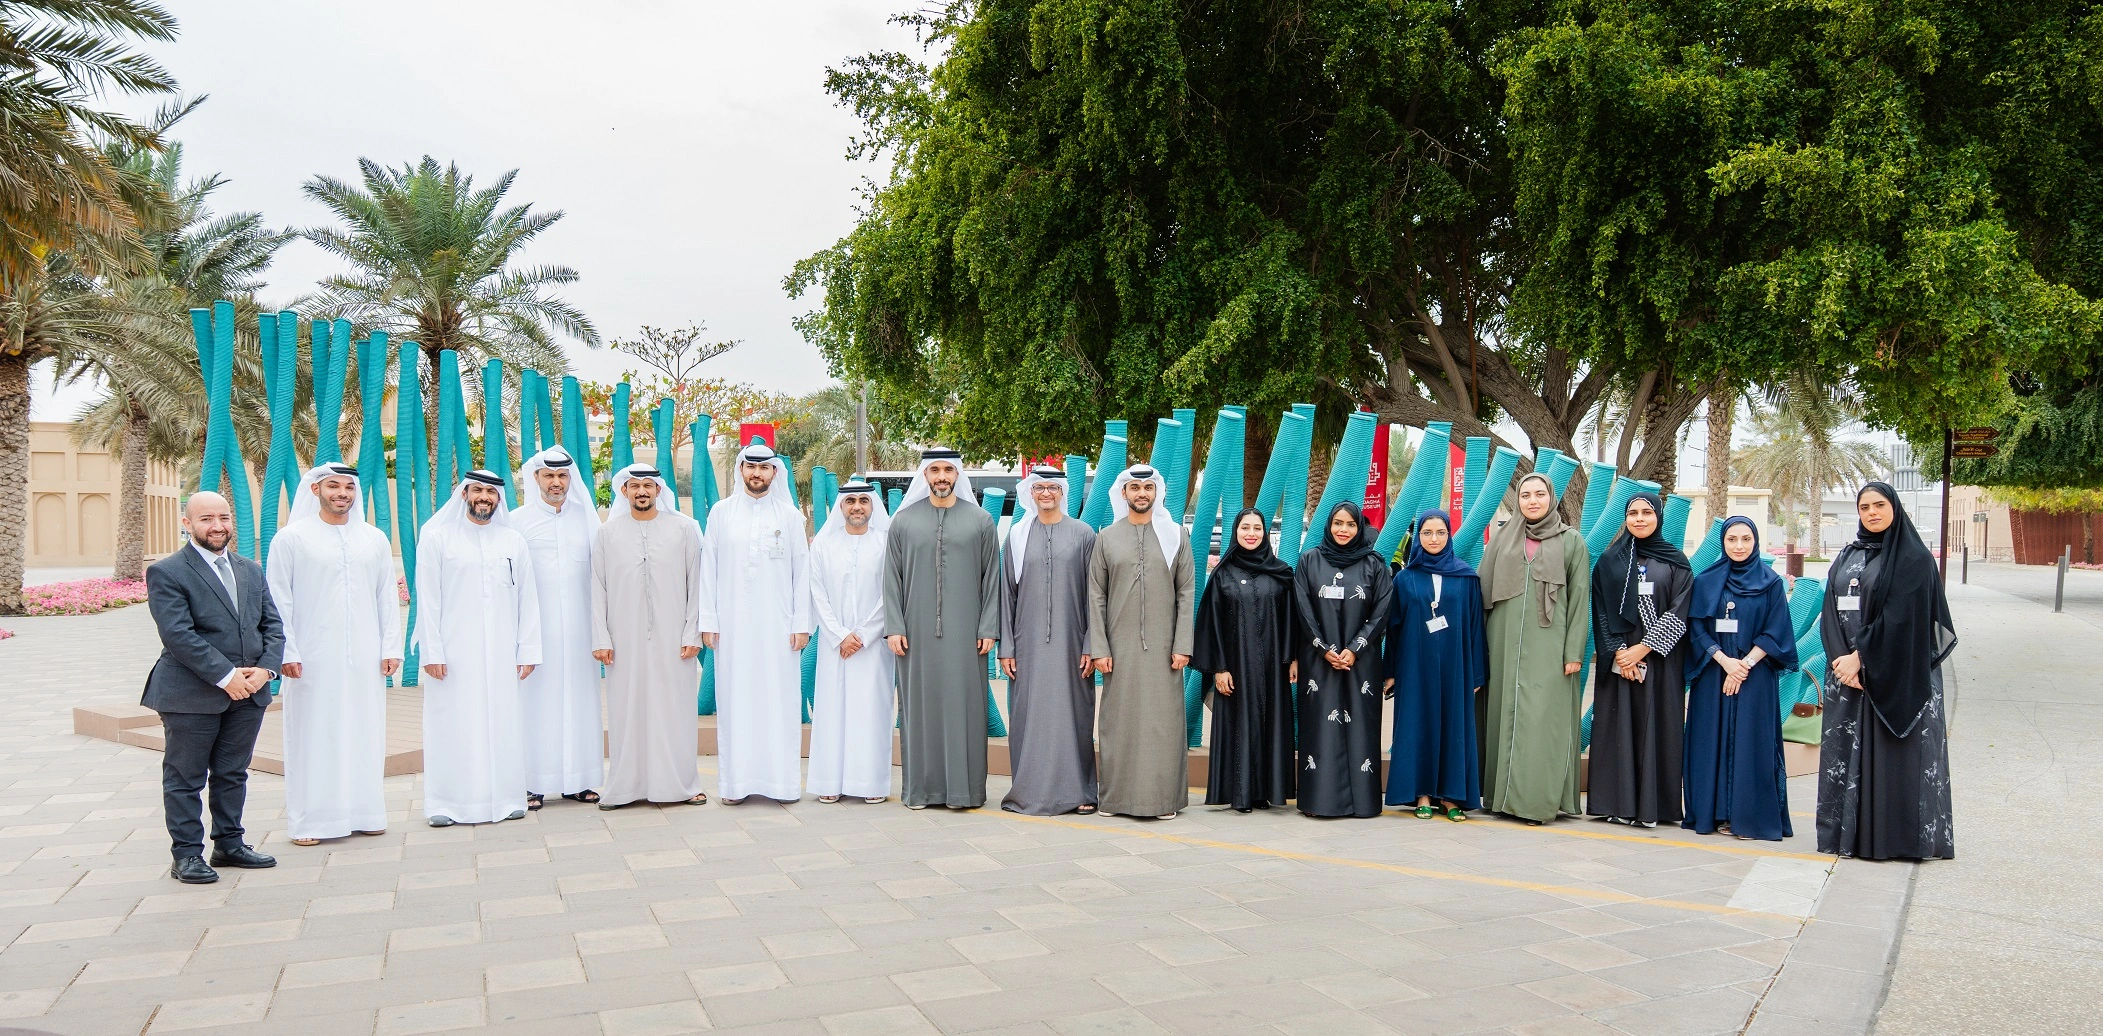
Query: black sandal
{"type": "Point", "coordinates": [587, 795]}
{"type": "Point", "coordinates": [1085, 810]}
{"type": "Point", "coordinates": [534, 802]}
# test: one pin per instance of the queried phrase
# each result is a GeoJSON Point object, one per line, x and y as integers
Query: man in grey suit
{"type": "Point", "coordinates": [221, 644]}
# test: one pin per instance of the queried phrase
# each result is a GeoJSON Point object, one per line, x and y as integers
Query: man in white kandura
{"type": "Point", "coordinates": [854, 706]}
{"type": "Point", "coordinates": [646, 598]}
{"type": "Point", "coordinates": [559, 703]}
{"type": "Point", "coordinates": [756, 616]}
{"type": "Point", "coordinates": [332, 577]}
{"type": "Point", "coordinates": [478, 628]}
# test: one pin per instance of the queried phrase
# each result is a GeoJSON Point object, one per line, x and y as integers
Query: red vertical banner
{"type": "Point", "coordinates": [1374, 505]}
{"type": "Point", "coordinates": [750, 430]}
{"type": "Point", "coordinates": [1457, 477]}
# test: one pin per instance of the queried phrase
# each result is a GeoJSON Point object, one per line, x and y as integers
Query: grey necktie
{"type": "Point", "coordinates": [225, 570]}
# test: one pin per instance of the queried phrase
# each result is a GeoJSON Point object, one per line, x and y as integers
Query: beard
{"type": "Point", "coordinates": [339, 509]}
{"type": "Point", "coordinates": [1141, 506]}
{"type": "Point", "coordinates": [643, 503]}
{"type": "Point", "coordinates": [216, 539]}
{"type": "Point", "coordinates": [481, 510]}
{"type": "Point", "coordinates": [757, 486]}
{"type": "Point", "coordinates": [941, 489]}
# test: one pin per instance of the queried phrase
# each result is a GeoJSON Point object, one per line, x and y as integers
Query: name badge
{"type": "Point", "coordinates": [1435, 623]}
{"type": "Point", "coordinates": [1849, 604]}
{"type": "Point", "coordinates": [1726, 625]}
{"type": "Point", "coordinates": [1330, 593]}
{"type": "Point", "coordinates": [1646, 588]}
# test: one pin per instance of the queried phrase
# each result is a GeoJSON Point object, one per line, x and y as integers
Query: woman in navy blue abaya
{"type": "Point", "coordinates": [1743, 641]}
{"type": "Point", "coordinates": [1438, 659]}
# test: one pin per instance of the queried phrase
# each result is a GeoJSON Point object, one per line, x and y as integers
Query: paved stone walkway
{"type": "Point", "coordinates": [848, 918]}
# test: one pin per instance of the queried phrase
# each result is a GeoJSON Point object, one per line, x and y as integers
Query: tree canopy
{"type": "Point", "coordinates": [1460, 211]}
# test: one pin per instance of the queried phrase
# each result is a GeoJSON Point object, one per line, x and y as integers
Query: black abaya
{"type": "Point", "coordinates": [1244, 629]}
{"type": "Point", "coordinates": [1338, 608]}
{"type": "Point", "coordinates": [1639, 728]}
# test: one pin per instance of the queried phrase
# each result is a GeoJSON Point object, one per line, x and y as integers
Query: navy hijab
{"type": "Point", "coordinates": [1445, 562]}
{"type": "Point", "coordinates": [1744, 579]}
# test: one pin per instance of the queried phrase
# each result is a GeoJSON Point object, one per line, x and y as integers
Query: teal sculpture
{"type": "Point", "coordinates": [331, 358]}
{"type": "Point", "coordinates": [1419, 491]}
{"type": "Point", "coordinates": [1076, 483]}
{"type": "Point", "coordinates": [214, 331]}
{"type": "Point", "coordinates": [1677, 509]}
{"type": "Point", "coordinates": [372, 445]}
{"type": "Point", "coordinates": [662, 422]}
{"type": "Point", "coordinates": [281, 473]}
{"type": "Point", "coordinates": [528, 416]}
{"type": "Point", "coordinates": [1599, 485]}
{"type": "Point", "coordinates": [1291, 456]}
{"type": "Point", "coordinates": [1468, 539]}
{"type": "Point", "coordinates": [412, 484]}
{"type": "Point", "coordinates": [575, 437]}
{"type": "Point", "coordinates": [623, 453]}
{"type": "Point", "coordinates": [706, 489]}
{"type": "Point", "coordinates": [496, 440]}
{"type": "Point", "coordinates": [1218, 501]}
{"type": "Point", "coordinates": [995, 502]}
{"type": "Point", "coordinates": [1108, 462]}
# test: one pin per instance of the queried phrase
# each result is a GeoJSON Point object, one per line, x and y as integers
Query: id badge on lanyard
{"type": "Point", "coordinates": [1644, 587]}
{"type": "Point", "coordinates": [1437, 622]}
{"type": "Point", "coordinates": [1851, 601]}
{"type": "Point", "coordinates": [1729, 622]}
{"type": "Point", "coordinates": [1332, 592]}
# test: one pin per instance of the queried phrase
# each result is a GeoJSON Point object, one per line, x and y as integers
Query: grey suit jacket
{"type": "Point", "coordinates": [204, 634]}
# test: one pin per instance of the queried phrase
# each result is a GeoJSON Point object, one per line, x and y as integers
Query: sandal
{"type": "Point", "coordinates": [309, 841]}
{"type": "Point", "coordinates": [1085, 810]}
{"type": "Point", "coordinates": [1456, 814]}
{"type": "Point", "coordinates": [1166, 816]}
{"type": "Point", "coordinates": [534, 802]}
{"type": "Point", "coordinates": [587, 795]}
{"type": "Point", "coordinates": [828, 798]}
{"type": "Point", "coordinates": [728, 802]}
{"type": "Point", "coordinates": [611, 805]}
{"type": "Point", "coordinates": [1424, 812]}
{"type": "Point", "coordinates": [381, 831]}
{"type": "Point", "coordinates": [875, 800]}
{"type": "Point", "coordinates": [701, 799]}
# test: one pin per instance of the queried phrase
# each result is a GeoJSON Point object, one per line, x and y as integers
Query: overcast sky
{"type": "Point", "coordinates": [691, 144]}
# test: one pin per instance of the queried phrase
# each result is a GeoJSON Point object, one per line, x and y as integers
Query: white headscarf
{"type": "Point", "coordinates": [575, 508]}
{"type": "Point", "coordinates": [1167, 529]}
{"type": "Point", "coordinates": [619, 507]}
{"type": "Point", "coordinates": [1019, 535]}
{"type": "Point", "coordinates": [455, 510]}
{"type": "Point", "coordinates": [778, 491]}
{"type": "Point", "coordinates": [918, 490]}
{"type": "Point", "coordinates": [306, 505]}
{"type": "Point", "coordinates": [836, 519]}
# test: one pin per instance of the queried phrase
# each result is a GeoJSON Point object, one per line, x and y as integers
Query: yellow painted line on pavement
{"type": "Point", "coordinates": [1732, 847]}
{"type": "Point", "coordinates": [1603, 895]}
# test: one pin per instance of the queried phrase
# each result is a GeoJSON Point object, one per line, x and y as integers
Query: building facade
{"type": "Point", "coordinates": [73, 502]}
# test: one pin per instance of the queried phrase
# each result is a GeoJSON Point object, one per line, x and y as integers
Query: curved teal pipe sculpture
{"type": "Point", "coordinates": [214, 330]}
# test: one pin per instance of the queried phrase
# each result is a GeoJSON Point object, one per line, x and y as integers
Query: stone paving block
{"type": "Point", "coordinates": [433, 1016]}
{"type": "Point", "coordinates": [887, 1021]}
{"type": "Point", "coordinates": [1708, 1011]}
{"type": "Point", "coordinates": [241, 1009]}
{"type": "Point", "coordinates": [134, 968]}
{"type": "Point", "coordinates": [69, 931]}
{"type": "Point", "coordinates": [1686, 973]}
{"type": "Point", "coordinates": [775, 1005]}
{"type": "Point", "coordinates": [732, 979]}
{"type": "Point", "coordinates": [945, 983]}
{"type": "Point", "coordinates": [28, 1003]}
{"type": "Point", "coordinates": [1363, 989]}
{"type": "Point", "coordinates": [333, 971]}
{"type": "Point", "coordinates": [539, 974]}
{"type": "Point", "coordinates": [666, 1019]}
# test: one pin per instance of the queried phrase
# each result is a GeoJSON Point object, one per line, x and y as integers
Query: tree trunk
{"type": "Point", "coordinates": [1723, 411]}
{"type": "Point", "coordinates": [131, 496]}
{"type": "Point", "coordinates": [14, 478]}
{"type": "Point", "coordinates": [1661, 444]}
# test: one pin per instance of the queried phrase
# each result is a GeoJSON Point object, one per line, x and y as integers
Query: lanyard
{"type": "Point", "coordinates": [1438, 586]}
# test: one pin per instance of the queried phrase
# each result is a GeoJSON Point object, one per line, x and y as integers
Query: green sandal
{"type": "Point", "coordinates": [1425, 812]}
{"type": "Point", "coordinates": [1455, 814]}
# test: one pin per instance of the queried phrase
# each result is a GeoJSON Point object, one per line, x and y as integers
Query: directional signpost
{"type": "Point", "coordinates": [1960, 444]}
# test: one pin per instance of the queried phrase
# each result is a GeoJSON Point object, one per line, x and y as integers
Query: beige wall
{"type": "Point", "coordinates": [1992, 539]}
{"type": "Point", "coordinates": [73, 502]}
{"type": "Point", "coordinates": [1745, 500]}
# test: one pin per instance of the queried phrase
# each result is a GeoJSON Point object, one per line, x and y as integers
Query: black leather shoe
{"type": "Point", "coordinates": [191, 870]}
{"type": "Point", "coordinates": [242, 856]}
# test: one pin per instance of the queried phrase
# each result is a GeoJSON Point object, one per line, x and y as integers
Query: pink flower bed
{"type": "Point", "coordinates": [82, 596]}
{"type": "Point", "coordinates": [4, 634]}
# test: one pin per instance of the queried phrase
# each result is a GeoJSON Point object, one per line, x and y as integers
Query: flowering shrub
{"type": "Point", "coordinates": [4, 634]}
{"type": "Point", "coordinates": [82, 596]}
{"type": "Point", "coordinates": [401, 588]}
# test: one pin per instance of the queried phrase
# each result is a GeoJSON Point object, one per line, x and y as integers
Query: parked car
{"type": "Point", "coordinates": [980, 482]}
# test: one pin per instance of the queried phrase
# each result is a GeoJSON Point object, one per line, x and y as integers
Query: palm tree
{"type": "Point", "coordinates": [59, 195]}
{"type": "Point", "coordinates": [823, 433]}
{"type": "Point", "coordinates": [430, 262]}
{"type": "Point", "coordinates": [1802, 450]}
{"type": "Point", "coordinates": [188, 259]}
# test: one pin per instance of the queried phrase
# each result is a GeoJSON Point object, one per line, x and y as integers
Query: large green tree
{"type": "Point", "coordinates": [1108, 209]}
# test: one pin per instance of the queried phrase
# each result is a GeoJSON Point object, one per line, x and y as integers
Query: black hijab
{"type": "Point", "coordinates": [1345, 554]}
{"type": "Point", "coordinates": [1614, 580]}
{"type": "Point", "coordinates": [1259, 560]}
{"type": "Point", "coordinates": [1906, 627]}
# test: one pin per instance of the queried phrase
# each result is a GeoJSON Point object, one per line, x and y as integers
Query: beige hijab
{"type": "Point", "coordinates": [1504, 568]}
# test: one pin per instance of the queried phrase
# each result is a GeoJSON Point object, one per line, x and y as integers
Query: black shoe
{"type": "Point", "coordinates": [242, 856]}
{"type": "Point", "coordinates": [191, 870]}
{"type": "Point", "coordinates": [441, 821]}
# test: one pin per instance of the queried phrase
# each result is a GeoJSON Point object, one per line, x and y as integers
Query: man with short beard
{"type": "Point", "coordinates": [332, 577]}
{"type": "Point", "coordinates": [941, 617]}
{"type": "Point", "coordinates": [854, 703]}
{"type": "Point", "coordinates": [646, 596]}
{"type": "Point", "coordinates": [1140, 580]}
{"type": "Point", "coordinates": [756, 616]}
{"type": "Point", "coordinates": [478, 629]}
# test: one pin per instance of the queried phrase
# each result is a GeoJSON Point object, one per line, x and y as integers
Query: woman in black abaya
{"type": "Point", "coordinates": [1341, 593]}
{"type": "Point", "coordinates": [1640, 592]}
{"type": "Point", "coordinates": [1884, 760]}
{"type": "Point", "coordinates": [1244, 652]}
